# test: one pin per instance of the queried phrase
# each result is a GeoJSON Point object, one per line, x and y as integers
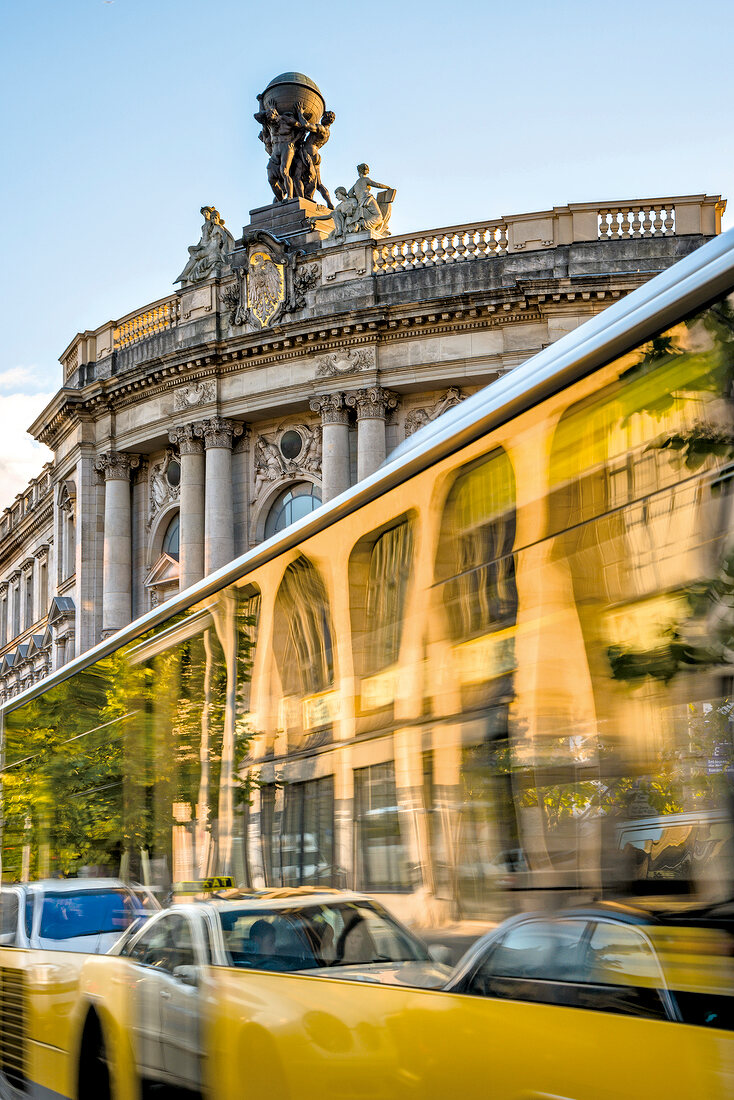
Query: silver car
{"type": "Point", "coordinates": [87, 915]}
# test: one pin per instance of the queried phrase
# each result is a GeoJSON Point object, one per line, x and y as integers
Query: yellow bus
{"type": "Point", "coordinates": [451, 688]}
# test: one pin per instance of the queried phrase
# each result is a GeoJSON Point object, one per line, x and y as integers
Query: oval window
{"type": "Point", "coordinates": [291, 444]}
{"type": "Point", "coordinates": [173, 473]}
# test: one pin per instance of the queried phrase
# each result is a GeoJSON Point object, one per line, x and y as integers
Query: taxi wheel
{"type": "Point", "coordinates": [94, 1073]}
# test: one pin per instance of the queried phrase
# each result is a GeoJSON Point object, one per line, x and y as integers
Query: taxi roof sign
{"type": "Point", "coordinates": [205, 885]}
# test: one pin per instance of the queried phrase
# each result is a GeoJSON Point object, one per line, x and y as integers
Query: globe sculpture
{"type": "Point", "coordinates": [295, 126]}
{"type": "Point", "coordinates": [288, 89]}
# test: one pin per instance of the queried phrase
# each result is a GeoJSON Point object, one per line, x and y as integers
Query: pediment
{"type": "Point", "coordinates": [165, 571]}
{"type": "Point", "coordinates": [60, 610]}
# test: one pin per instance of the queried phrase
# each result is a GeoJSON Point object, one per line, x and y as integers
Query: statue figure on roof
{"type": "Point", "coordinates": [307, 163]}
{"type": "Point", "coordinates": [209, 257]}
{"type": "Point", "coordinates": [373, 214]}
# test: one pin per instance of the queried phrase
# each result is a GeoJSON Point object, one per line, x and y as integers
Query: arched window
{"type": "Point", "coordinates": [294, 503]}
{"type": "Point", "coordinates": [170, 539]}
{"type": "Point", "coordinates": [475, 565]}
{"type": "Point", "coordinates": [303, 631]}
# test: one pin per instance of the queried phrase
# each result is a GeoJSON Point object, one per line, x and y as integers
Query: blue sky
{"type": "Point", "coordinates": [122, 117]}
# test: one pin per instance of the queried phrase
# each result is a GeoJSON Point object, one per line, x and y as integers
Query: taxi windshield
{"type": "Point", "coordinates": [311, 936]}
{"type": "Point", "coordinates": [90, 913]}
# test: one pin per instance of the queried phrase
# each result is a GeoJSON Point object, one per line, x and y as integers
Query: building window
{"type": "Point", "coordinates": [307, 837]}
{"type": "Point", "coordinates": [173, 473]}
{"type": "Point", "coordinates": [42, 587]}
{"type": "Point", "coordinates": [28, 600]}
{"type": "Point", "coordinates": [16, 609]}
{"type": "Point", "coordinates": [291, 444]}
{"type": "Point", "coordinates": [294, 503]}
{"type": "Point", "coordinates": [381, 854]}
{"type": "Point", "coordinates": [170, 539]}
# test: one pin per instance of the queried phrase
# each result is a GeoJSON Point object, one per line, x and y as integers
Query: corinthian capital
{"type": "Point", "coordinates": [189, 443]}
{"type": "Point", "coordinates": [218, 431]}
{"type": "Point", "coordinates": [116, 465]}
{"type": "Point", "coordinates": [372, 403]}
{"type": "Point", "coordinates": [332, 408]}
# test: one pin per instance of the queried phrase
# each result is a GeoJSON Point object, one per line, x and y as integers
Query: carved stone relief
{"type": "Point", "coordinates": [199, 393]}
{"type": "Point", "coordinates": [164, 484]}
{"type": "Point", "coordinates": [345, 362]}
{"type": "Point", "coordinates": [271, 461]}
{"type": "Point", "coordinates": [417, 418]}
{"type": "Point", "coordinates": [305, 279]}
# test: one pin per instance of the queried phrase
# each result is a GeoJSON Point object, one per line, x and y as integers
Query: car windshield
{"type": "Point", "coordinates": [311, 936]}
{"type": "Point", "coordinates": [87, 913]}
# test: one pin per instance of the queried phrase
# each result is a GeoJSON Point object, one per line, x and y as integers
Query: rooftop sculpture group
{"type": "Point", "coordinates": [288, 112]}
{"type": "Point", "coordinates": [294, 128]}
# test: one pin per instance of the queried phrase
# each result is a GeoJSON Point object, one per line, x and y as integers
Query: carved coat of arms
{"type": "Point", "coordinates": [267, 285]}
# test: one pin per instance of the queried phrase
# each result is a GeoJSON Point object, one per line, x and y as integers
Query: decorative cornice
{"type": "Point", "coordinates": [13, 541]}
{"type": "Point", "coordinates": [343, 338]}
{"type": "Point", "coordinates": [117, 465]}
{"type": "Point", "coordinates": [373, 403]}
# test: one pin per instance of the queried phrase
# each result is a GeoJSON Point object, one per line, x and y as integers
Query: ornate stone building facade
{"type": "Point", "coordinates": [285, 368]}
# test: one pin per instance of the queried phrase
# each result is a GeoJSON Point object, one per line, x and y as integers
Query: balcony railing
{"type": "Point", "coordinates": [635, 218]}
{"type": "Point", "coordinates": [147, 322]}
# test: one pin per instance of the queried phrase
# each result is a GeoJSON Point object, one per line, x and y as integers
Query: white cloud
{"type": "Point", "coordinates": [21, 379]}
{"type": "Point", "coordinates": [21, 458]}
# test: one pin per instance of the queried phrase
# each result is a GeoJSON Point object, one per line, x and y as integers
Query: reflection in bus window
{"type": "Point", "coordinates": [307, 839]}
{"type": "Point", "coordinates": [381, 852]}
{"type": "Point", "coordinates": [387, 583]}
{"type": "Point", "coordinates": [475, 564]}
{"type": "Point", "coordinates": [303, 631]}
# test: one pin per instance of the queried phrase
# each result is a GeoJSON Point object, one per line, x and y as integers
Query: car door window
{"type": "Point", "coordinates": [8, 917]}
{"type": "Point", "coordinates": [181, 947]}
{"type": "Point", "coordinates": [535, 961]}
{"type": "Point", "coordinates": [152, 947]}
{"type": "Point", "coordinates": [622, 973]}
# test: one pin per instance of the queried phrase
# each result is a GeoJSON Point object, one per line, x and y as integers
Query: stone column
{"type": "Point", "coordinates": [335, 477]}
{"type": "Point", "coordinates": [218, 435]}
{"type": "Point", "coordinates": [191, 550]}
{"type": "Point", "coordinates": [372, 407]}
{"type": "Point", "coordinates": [117, 554]}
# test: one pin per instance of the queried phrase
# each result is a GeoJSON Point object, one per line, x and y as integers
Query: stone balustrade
{"type": "Point", "coordinates": [441, 246]}
{"type": "Point", "coordinates": [138, 326]}
{"type": "Point", "coordinates": [90, 347]}
{"type": "Point", "coordinates": [563, 225]}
